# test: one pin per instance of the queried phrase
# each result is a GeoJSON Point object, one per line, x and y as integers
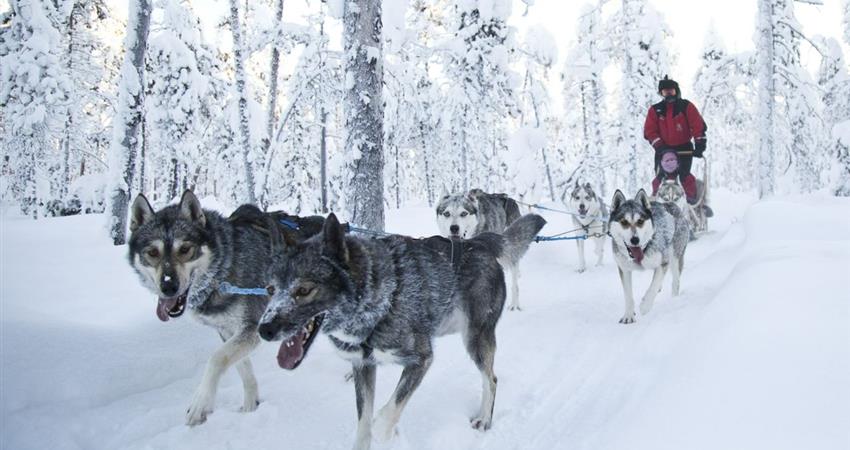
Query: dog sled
{"type": "Point", "coordinates": [698, 213]}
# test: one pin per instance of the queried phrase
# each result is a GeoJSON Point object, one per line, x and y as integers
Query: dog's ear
{"type": "Point", "coordinates": [643, 199]}
{"type": "Point", "coordinates": [141, 212]}
{"type": "Point", "coordinates": [190, 208]}
{"type": "Point", "coordinates": [333, 236]}
{"type": "Point", "coordinates": [618, 200]}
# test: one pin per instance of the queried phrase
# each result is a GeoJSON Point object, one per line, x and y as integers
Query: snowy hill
{"type": "Point", "coordinates": [755, 353]}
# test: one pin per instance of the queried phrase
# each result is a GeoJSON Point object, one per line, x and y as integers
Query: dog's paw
{"type": "Point", "coordinates": [201, 407]}
{"type": "Point", "coordinates": [384, 427]}
{"type": "Point", "coordinates": [349, 376]}
{"type": "Point", "coordinates": [250, 406]}
{"type": "Point", "coordinates": [645, 306]}
{"type": "Point", "coordinates": [581, 269]}
{"type": "Point", "coordinates": [514, 308]}
{"type": "Point", "coordinates": [480, 423]}
{"type": "Point", "coordinates": [628, 318]}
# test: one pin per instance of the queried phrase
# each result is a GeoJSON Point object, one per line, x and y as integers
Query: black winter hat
{"type": "Point", "coordinates": [667, 83]}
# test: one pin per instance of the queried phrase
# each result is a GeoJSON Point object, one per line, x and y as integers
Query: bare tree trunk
{"type": "Point", "coordinates": [130, 103]}
{"type": "Point", "coordinates": [364, 111]}
{"type": "Point", "coordinates": [142, 153]}
{"type": "Point", "coordinates": [767, 91]}
{"type": "Point", "coordinates": [324, 165]}
{"type": "Point", "coordinates": [242, 92]}
{"type": "Point", "coordinates": [272, 112]}
{"type": "Point", "coordinates": [426, 156]}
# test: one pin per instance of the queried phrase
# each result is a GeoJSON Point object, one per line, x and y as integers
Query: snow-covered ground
{"type": "Point", "coordinates": [755, 353]}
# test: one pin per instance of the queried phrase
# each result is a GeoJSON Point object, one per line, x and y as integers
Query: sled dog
{"type": "Point", "coordinates": [646, 236]}
{"type": "Point", "coordinates": [183, 253]}
{"type": "Point", "coordinates": [468, 215]}
{"type": "Point", "coordinates": [591, 218]}
{"type": "Point", "coordinates": [384, 300]}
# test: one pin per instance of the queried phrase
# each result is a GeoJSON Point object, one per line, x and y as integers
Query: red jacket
{"type": "Point", "coordinates": [673, 125]}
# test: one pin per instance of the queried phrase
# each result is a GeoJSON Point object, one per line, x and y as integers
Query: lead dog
{"type": "Point", "coordinates": [385, 300]}
{"type": "Point", "coordinates": [646, 236]}
{"type": "Point", "coordinates": [183, 253]}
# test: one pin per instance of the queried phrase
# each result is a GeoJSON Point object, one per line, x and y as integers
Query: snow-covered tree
{"type": "Point", "coordinates": [480, 93]}
{"type": "Point", "coordinates": [584, 141]}
{"type": "Point", "coordinates": [364, 111]}
{"type": "Point", "coordinates": [239, 55]}
{"type": "Point", "coordinates": [34, 91]}
{"type": "Point", "coordinates": [834, 83]}
{"type": "Point", "coordinates": [128, 117]}
{"type": "Point", "coordinates": [721, 86]}
{"type": "Point", "coordinates": [528, 157]}
{"type": "Point", "coordinates": [641, 50]}
{"type": "Point", "coordinates": [789, 106]}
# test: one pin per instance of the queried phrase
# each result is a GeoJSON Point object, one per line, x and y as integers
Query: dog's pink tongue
{"type": "Point", "coordinates": [637, 254]}
{"type": "Point", "coordinates": [291, 352]}
{"type": "Point", "coordinates": [165, 305]}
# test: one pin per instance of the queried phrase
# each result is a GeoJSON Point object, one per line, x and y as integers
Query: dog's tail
{"type": "Point", "coordinates": [519, 235]}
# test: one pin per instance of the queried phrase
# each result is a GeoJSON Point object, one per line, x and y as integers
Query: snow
{"type": "Point", "coordinates": [755, 353]}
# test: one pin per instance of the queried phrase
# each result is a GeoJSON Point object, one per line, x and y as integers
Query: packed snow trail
{"type": "Point", "coordinates": [754, 353]}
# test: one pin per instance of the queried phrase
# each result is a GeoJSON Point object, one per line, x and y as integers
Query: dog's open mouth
{"type": "Point", "coordinates": [293, 351]}
{"type": "Point", "coordinates": [636, 253]}
{"type": "Point", "coordinates": [582, 211]}
{"type": "Point", "coordinates": [171, 307]}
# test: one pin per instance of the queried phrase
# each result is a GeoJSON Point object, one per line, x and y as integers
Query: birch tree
{"type": "Point", "coordinates": [239, 54]}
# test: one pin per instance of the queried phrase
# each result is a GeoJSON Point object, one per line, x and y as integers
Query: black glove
{"type": "Point", "coordinates": [659, 145]}
{"type": "Point", "coordinates": [699, 148]}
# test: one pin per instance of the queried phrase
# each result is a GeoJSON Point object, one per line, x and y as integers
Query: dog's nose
{"type": "Point", "coordinates": [635, 240]}
{"type": "Point", "coordinates": [267, 331]}
{"type": "Point", "coordinates": [169, 288]}
{"type": "Point", "coordinates": [454, 229]}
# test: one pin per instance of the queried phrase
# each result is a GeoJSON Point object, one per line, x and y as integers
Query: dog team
{"type": "Point", "coordinates": [385, 300]}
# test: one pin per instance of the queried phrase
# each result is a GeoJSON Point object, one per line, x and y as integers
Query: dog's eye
{"type": "Point", "coordinates": [625, 223]}
{"type": "Point", "coordinates": [447, 214]}
{"type": "Point", "coordinates": [153, 253]}
{"type": "Point", "coordinates": [464, 214]}
{"type": "Point", "coordinates": [639, 222]}
{"type": "Point", "coordinates": [302, 292]}
{"type": "Point", "coordinates": [184, 250]}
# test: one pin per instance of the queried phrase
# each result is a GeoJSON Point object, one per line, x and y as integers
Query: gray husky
{"type": "Point", "coordinates": [591, 219]}
{"type": "Point", "coordinates": [183, 253]}
{"type": "Point", "coordinates": [385, 300]}
{"type": "Point", "coordinates": [468, 215]}
{"type": "Point", "coordinates": [647, 235]}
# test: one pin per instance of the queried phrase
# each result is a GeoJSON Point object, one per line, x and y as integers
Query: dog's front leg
{"type": "Point", "coordinates": [626, 280]}
{"type": "Point", "coordinates": [251, 397]}
{"type": "Point", "coordinates": [649, 298]}
{"type": "Point", "coordinates": [600, 250]}
{"type": "Point", "coordinates": [514, 271]}
{"type": "Point", "coordinates": [364, 389]}
{"type": "Point", "coordinates": [388, 417]}
{"type": "Point", "coordinates": [581, 263]}
{"type": "Point", "coordinates": [233, 350]}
